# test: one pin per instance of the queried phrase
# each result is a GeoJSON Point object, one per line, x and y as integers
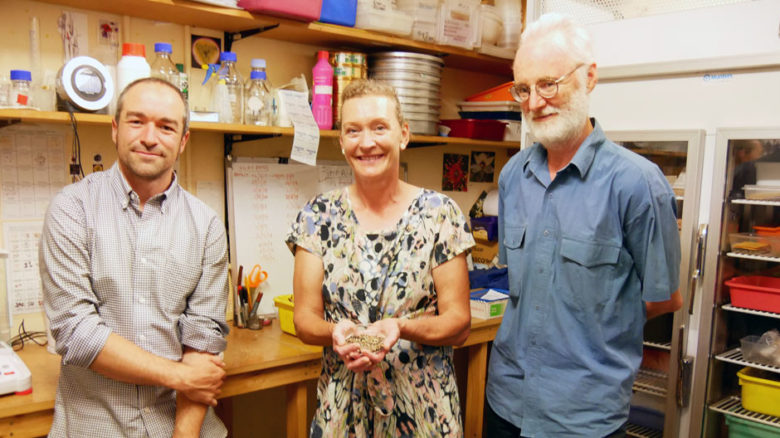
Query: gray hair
{"type": "Point", "coordinates": [570, 37]}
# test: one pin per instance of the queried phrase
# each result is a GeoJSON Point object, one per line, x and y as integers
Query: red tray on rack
{"type": "Point", "coordinates": [755, 292]}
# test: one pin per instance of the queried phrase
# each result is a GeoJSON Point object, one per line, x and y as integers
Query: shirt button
{"type": "Point", "coordinates": [546, 233]}
{"type": "Point", "coordinates": [143, 260]}
{"type": "Point", "coordinates": [142, 338]}
{"type": "Point", "coordinates": [147, 410]}
{"type": "Point", "coordinates": [141, 300]}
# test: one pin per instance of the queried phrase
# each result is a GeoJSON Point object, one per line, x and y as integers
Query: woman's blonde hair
{"type": "Point", "coordinates": [371, 87]}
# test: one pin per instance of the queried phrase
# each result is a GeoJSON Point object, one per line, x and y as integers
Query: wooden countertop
{"type": "Point", "coordinates": [248, 352]}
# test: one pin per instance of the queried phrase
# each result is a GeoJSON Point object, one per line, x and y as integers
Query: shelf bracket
{"type": "Point", "coordinates": [231, 37]}
{"type": "Point", "coordinates": [231, 139]}
{"type": "Point", "coordinates": [9, 122]}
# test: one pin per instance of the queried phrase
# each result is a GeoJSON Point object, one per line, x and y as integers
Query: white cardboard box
{"type": "Point", "coordinates": [488, 308]}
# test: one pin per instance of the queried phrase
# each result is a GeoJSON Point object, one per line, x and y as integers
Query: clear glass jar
{"type": "Point", "coordinates": [20, 95]}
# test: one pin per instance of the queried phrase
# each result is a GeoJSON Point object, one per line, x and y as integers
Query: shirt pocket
{"type": "Point", "coordinates": [514, 242]}
{"type": "Point", "coordinates": [588, 267]}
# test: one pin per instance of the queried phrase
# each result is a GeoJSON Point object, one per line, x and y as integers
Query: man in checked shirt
{"type": "Point", "coordinates": [134, 273]}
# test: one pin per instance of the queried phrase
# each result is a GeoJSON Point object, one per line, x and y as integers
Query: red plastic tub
{"type": "Point", "coordinates": [755, 292]}
{"type": "Point", "coordinates": [475, 128]}
{"type": "Point", "coordinates": [304, 10]}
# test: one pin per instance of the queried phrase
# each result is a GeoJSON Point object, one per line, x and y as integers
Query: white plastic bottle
{"type": "Point", "coordinates": [132, 66]}
{"type": "Point", "coordinates": [234, 84]}
{"type": "Point", "coordinates": [163, 67]}
{"type": "Point", "coordinates": [258, 100]}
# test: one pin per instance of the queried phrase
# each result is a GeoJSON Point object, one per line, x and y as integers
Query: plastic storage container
{"type": "Point", "coordinates": [485, 227]}
{"type": "Point", "coordinates": [741, 428]}
{"type": "Point", "coordinates": [341, 12]}
{"type": "Point", "coordinates": [496, 94]}
{"type": "Point", "coordinates": [473, 128]}
{"type": "Point", "coordinates": [506, 110]}
{"type": "Point", "coordinates": [755, 292]}
{"type": "Point", "coordinates": [286, 306]}
{"type": "Point", "coordinates": [762, 193]}
{"type": "Point", "coordinates": [303, 10]}
{"type": "Point", "coordinates": [646, 417]}
{"type": "Point", "coordinates": [381, 16]}
{"type": "Point", "coordinates": [754, 244]}
{"type": "Point", "coordinates": [759, 393]}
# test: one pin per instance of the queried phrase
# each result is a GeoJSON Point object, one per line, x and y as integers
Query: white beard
{"type": "Point", "coordinates": [566, 126]}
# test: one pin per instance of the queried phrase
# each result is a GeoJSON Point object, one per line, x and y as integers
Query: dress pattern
{"type": "Point", "coordinates": [412, 392]}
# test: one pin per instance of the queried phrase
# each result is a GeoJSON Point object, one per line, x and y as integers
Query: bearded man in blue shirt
{"type": "Point", "coordinates": [588, 231]}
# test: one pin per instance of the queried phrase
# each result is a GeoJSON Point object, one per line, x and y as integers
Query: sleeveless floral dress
{"type": "Point", "coordinates": [413, 392]}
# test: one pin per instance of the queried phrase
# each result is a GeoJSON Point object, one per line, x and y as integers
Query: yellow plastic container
{"type": "Point", "coordinates": [285, 305]}
{"type": "Point", "coordinates": [759, 395]}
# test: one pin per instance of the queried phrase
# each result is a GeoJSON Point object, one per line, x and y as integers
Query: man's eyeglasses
{"type": "Point", "coordinates": [546, 88]}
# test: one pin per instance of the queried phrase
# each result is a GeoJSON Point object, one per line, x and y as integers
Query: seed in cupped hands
{"type": "Point", "coordinates": [367, 342]}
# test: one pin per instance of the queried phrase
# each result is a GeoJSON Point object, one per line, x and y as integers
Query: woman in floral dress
{"type": "Point", "coordinates": [389, 257]}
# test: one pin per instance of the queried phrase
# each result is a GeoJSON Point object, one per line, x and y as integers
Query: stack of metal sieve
{"type": "Point", "coordinates": [417, 80]}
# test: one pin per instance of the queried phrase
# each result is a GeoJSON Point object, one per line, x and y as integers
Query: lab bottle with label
{"type": "Point", "coordinates": [258, 99]}
{"type": "Point", "coordinates": [234, 87]}
{"type": "Point", "coordinates": [21, 89]}
{"type": "Point", "coordinates": [163, 67]}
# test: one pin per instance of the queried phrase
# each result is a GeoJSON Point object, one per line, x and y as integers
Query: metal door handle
{"type": "Point", "coordinates": [698, 264]}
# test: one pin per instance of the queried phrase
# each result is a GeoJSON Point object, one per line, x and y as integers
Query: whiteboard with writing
{"type": "Point", "coordinates": [264, 198]}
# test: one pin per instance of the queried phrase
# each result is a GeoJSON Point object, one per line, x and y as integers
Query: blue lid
{"type": "Point", "coordinates": [257, 75]}
{"type": "Point", "coordinates": [23, 75]}
{"type": "Point", "coordinates": [227, 56]}
{"type": "Point", "coordinates": [163, 47]}
{"type": "Point", "coordinates": [258, 63]}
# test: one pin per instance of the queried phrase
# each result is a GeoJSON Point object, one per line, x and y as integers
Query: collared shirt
{"type": "Point", "coordinates": [584, 252]}
{"type": "Point", "coordinates": [156, 277]}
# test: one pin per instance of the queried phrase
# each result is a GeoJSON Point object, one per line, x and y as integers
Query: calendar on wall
{"type": "Point", "coordinates": [33, 168]}
{"type": "Point", "coordinates": [23, 281]}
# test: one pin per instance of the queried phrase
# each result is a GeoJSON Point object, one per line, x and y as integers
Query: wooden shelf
{"type": "Point", "coordinates": [315, 33]}
{"type": "Point", "coordinates": [13, 116]}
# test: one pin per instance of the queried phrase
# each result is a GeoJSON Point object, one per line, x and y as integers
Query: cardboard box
{"type": "Point", "coordinates": [484, 252]}
{"type": "Point", "coordinates": [487, 308]}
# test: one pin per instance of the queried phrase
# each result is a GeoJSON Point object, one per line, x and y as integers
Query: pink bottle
{"type": "Point", "coordinates": [322, 91]}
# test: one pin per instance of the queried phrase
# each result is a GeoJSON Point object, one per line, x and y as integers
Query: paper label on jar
{"type": "Point", "coordinates": [323, 89]}
{"type": "Point", "coordinates": [255, 104]}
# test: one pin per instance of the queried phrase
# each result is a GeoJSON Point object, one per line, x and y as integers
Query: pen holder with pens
{"type": "Point", "coordinates": [247, 299]}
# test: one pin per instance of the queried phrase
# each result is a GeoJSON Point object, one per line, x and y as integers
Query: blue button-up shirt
{"type": "Point", "coordinates": [584, 251]}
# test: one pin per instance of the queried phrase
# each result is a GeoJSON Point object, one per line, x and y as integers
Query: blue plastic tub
{"type": "Point", "coordinates": [341, 12]}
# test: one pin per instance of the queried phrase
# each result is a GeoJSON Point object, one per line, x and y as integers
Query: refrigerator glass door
{"type": "Point", "coordinates": [654, 407]}
{"type": "Point", "coordinates": [740, 292]}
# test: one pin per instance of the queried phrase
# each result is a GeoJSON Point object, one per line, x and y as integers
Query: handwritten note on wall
{"type": "Point", "coordinates": [266, 200]}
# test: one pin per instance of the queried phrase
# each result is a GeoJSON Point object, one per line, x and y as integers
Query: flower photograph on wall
{"type": "Point", "coordinates": [482, 165]}
{"type": "Point", "coordinates": [455, 172]}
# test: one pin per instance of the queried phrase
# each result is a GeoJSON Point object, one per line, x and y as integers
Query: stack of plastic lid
{"type": "Point", "coordinates": [417, 80]}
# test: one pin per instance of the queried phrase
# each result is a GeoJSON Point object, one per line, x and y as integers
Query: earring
{"type": "Point", "coordinates": [342, 152]}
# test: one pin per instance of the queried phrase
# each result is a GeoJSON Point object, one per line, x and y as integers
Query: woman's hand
{"type": "Point", "coordinates": [349, 352]}
{"type": "Point", "coordinates": [390, 330]}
